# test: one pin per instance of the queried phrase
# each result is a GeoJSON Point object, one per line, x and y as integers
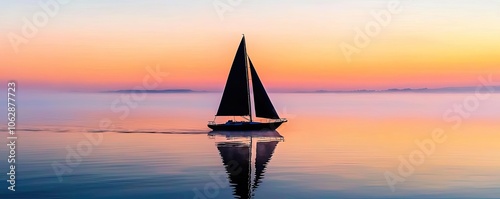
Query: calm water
{"type": "Point", "coordinates": [334, 146]}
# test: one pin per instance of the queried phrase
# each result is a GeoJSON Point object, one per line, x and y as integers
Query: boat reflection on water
{"type": "Point", "coordinates": [236, 150]}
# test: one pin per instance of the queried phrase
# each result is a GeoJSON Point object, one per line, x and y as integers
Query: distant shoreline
{"type": "Point", "coordinates": [411, 90]}
{"type": "Point", "coordinates": [155, 91]}
{"type": "Point", "coordinates": [392, 90]}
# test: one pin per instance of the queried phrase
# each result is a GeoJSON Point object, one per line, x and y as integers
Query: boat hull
{"type": "Point", "coordinates": [246, 126]}
{"type": "Point", "coordinates": [270, 134]}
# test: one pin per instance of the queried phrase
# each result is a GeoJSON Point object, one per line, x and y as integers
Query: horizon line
{"type": "Point", "coordinates": [457, 89]}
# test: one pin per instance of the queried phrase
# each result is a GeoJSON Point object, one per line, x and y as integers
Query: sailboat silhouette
{"type": "Point", "coordinates": [236, 99]}
{"type": "Point", "coordinates": [237, 159]}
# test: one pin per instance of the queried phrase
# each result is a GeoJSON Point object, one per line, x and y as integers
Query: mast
{"type": "Point", "coordinates": [248, 82]}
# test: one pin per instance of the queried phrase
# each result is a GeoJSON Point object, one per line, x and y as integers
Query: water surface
{"type": "Point", "coordinates": [334, 146]}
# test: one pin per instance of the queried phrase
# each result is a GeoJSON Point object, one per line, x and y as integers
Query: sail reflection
{"type": "Point", "coordinates": [236, 151]}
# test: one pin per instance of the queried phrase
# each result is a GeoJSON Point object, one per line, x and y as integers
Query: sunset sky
{"type": "Point", "coordinates": [295, 45]}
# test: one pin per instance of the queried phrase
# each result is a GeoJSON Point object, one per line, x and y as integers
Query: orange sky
{"type": "Point", "coordinates": [293, 44]}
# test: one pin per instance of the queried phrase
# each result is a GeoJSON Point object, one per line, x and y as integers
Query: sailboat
{"type": "Point", "coordinates": [236, 99]}
{"type": "Point", "coordinates": [237, 159]}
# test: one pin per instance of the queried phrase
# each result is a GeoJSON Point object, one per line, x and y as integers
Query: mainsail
{"type": "Point", "coordinates": [234, 101]}
{"type": "Point", "coordinates": [263, 105]}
